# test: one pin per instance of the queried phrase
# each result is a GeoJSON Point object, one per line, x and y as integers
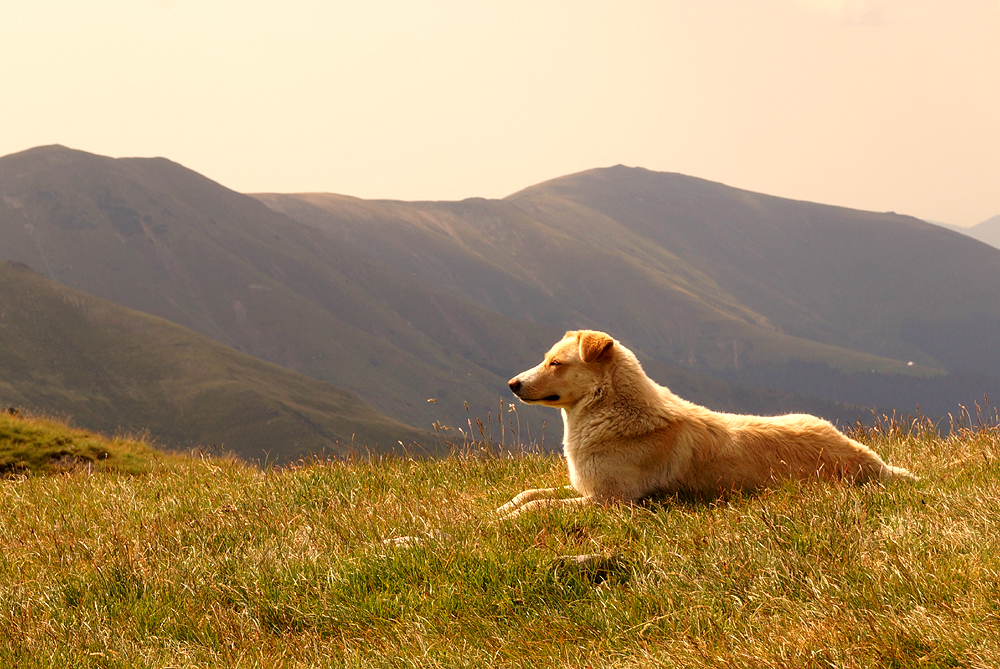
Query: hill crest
{"type": "Point", "coordinates": [404, 302]}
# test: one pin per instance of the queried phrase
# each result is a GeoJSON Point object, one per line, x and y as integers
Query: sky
{"type": "Point", "coordinates": [884, 105]}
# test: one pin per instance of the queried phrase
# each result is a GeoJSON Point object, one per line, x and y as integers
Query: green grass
{"type": "Point", "coordinates": [40, 445]}
{"type": "Point", "coordinates": [182, 387]}
{"type": "Point", "coordinates": [202, 562]}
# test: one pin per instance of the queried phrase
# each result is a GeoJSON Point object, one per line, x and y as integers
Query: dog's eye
{"type": "Point", "coordinates": [554, 363]}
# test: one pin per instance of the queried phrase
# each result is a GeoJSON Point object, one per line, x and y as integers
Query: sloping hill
{"type": "Point", "coordinates": [814, 299]}
{"type": "Point", "coordinates": [154, 236]}
{"type": "Point", "coordinates": [39, 445]}
{"type": "Point", "coordinates": [111, 369]}
{"type": "Point", "coordinates": [572, 267]}
{"type": "Point", "coordinates": [884, 284]}
{"type": "Point", "coordinates": [400, 317]}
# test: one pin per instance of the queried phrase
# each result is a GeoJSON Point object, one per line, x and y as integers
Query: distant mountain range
{"type": "Point", "coordinates": [987, 232]}
{"type": "Point", "coordinates": [156, 237]}
{"type": "Point", "coordinates": [741, 301]}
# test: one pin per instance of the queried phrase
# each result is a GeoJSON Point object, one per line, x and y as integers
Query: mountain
{"type": "Point", "coordinates": [397, 315]}
{"type": "Point", "coordinates": [562, 266]}
{"type": "Point", "coordinates": [154, 236]}
{"type": "Point", "coordinates": [112, 368]}
{"type": "Point", "coordinates": [855, 306]}
{"type": "Point", "coordinates": [987, 232]}
{"type": "Point", "coordinates": [882, 284]}
{"type": "Point", "coordinates": [401, 302]}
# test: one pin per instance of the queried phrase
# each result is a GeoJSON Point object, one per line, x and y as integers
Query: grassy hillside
{"type": "Point", "coordinates": [884, 284]}
{"type": "Point", "coordinates": [112, 368]}
{"type": "Point", "coordinates": [153, 236]}
{"type": "Point", "coordinates": [405, 302]}
{"type": "Point", "coordinates": [388, 325]}
{"type": "Point", "coordinates": [213, 563]}
{"type": "Point", "coordinates": [749, 288]}
{"type": "Point", "coordinates": [37, 445]}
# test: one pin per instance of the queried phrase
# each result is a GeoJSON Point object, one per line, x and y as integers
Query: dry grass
{"type": "Point", "coordinates": [212, 563]}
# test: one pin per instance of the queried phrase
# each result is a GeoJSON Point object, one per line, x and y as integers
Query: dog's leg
{"type": "Point", "coordinates": [528, 496]}
{"type": "Point", "coordinates": [890, 472]}
{"type": "Point", "coordinates": [546, 503]}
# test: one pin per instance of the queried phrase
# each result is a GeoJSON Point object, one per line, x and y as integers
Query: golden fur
{"type": "Point", "coordinates": [626, 437]}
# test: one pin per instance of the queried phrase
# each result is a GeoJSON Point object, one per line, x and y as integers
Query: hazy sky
{"type": "Point", "coordinates": [875, 104]}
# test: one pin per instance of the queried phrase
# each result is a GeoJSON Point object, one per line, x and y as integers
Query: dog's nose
{"type": "Point", "coordinates": [514, 384]}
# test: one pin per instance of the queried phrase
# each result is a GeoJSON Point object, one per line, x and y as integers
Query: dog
{"type": "Point", "coordinates": [627, 438]}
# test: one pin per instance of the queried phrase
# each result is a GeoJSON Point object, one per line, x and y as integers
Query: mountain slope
{"type": "Point", "coordinates": [878, 283]}
{"type": "Point", "coordinates": [814, 299]}
{"type": "Point", "coordinates": [153, 236]}
{"type": "Point", "coordinates": [112, 368]}
{"type": "Point", "coordinates": [579, 267]}
{"type": "Point", "coordinates": [987, 232]}
{"type": "Point", "coordinates": [397, 322]}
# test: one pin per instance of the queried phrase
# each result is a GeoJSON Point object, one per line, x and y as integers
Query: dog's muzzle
{"type": "Point", "coordinates": [515, 387]}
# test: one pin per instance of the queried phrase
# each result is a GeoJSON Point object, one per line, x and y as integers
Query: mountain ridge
{"type": "Point", "coordinates": [154, 236]}
{"type": "Point", "coordinates": [717, 253]}
{"type": "Point", "coordinates": [401, 302]}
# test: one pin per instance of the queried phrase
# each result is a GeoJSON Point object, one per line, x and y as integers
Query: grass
{"type": "Point", "coordinates": [182, 387]}
{"type": "Point", "coordinates": [204, 562]}
{"type": "Point", "coordinates": [40, 445]}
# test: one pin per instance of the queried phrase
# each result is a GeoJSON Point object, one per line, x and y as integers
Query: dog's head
{"type": "Point", "coordinates": [570, 371]}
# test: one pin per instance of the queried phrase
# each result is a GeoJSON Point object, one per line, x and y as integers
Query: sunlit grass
{"type": "Point", "coordinates": [44, 445]}
{"type": "Point", "coordinates": [203, 562]}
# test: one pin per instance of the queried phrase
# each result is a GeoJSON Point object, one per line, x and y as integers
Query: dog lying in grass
{"type": "Point", "coordinates": [626, 437]}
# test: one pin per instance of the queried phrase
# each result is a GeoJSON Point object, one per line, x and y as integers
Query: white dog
{"type": "Point", "coordinates": [626, 437]}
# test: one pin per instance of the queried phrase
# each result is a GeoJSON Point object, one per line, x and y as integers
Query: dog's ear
{"type": "Point", "coordinates": [593, 345]}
